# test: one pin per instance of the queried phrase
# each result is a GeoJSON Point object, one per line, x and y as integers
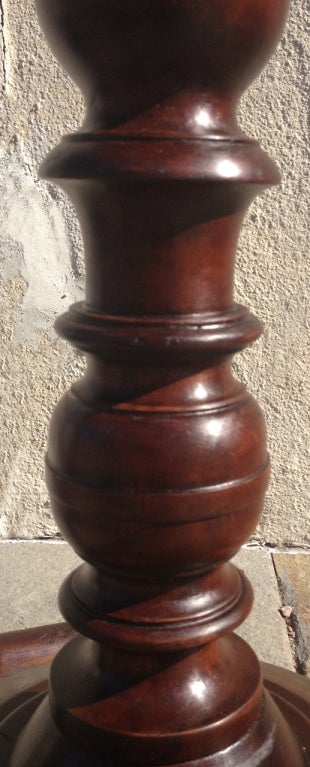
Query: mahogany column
{"type": "Point", "coordinates": [157, 462]}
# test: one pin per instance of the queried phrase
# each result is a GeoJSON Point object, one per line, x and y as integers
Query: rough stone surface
{"type": "Point", "coordinates": [273, 274]}
{"type": "Point", "coordinates": [264, 629]}
{"type": "Point", "coordinates": [31, 573]}
{"type": "Point", "coordinates": [42, 271]}
{"type": "Point", "coordinates": [28, 600]}
{"type": "Point", "coordinates": [293, 571]}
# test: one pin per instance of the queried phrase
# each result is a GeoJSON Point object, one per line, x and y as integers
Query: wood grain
{"type": "Point", "coordinates": [157, 462]}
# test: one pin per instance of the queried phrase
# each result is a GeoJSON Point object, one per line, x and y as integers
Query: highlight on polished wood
{"type": "Point", "coordinates": [157, 463]}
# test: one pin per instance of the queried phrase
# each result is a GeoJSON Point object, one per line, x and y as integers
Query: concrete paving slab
{"type": "Point", "coordinates": [293, 572]}
{"type": "Point", "coordinates": [264, 629]}
{"type": "Point", "coordinates": [31, 574]}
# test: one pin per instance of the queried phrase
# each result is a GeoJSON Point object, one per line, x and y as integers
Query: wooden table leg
{"type": "Point", "coordinates": [157, 462]}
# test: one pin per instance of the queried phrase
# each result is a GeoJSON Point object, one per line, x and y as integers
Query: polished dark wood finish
{"type": "Point", "coordinates": [25, 658]}
{"type": "Point", "coordinates": [290, 692]}
{"type": "Point", "coordinates": [157, 462]}
{"type": "Point", "coordinates": [20, 650]}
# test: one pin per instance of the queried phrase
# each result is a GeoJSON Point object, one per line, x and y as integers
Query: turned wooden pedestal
{"type": "Point", "coordinates": [157, 463]}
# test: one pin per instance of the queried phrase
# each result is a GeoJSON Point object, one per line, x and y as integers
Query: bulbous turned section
{"type": "Point", "coordinates": [112, 719]}
{"type": "Point", "coordinates": [162, 68]}
{"type": "Point", "coordinates": [157, 462]}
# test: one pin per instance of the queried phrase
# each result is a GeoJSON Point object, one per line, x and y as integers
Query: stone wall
{"type": "Point", "coordinates": [42, 272]}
